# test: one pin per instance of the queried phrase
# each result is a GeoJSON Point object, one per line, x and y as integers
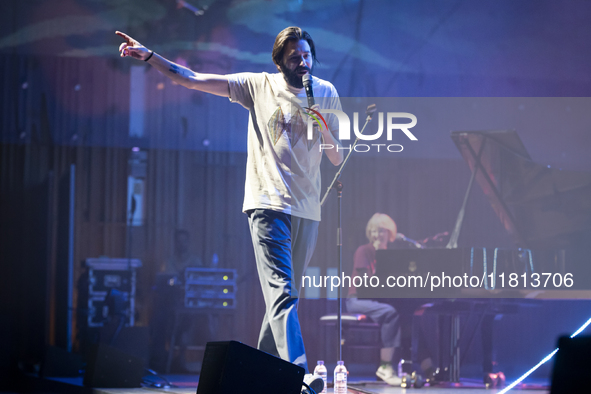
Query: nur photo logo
{"type": "Point", "coordinates": [392, 126]}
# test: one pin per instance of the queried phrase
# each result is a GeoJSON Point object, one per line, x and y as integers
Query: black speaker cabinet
{"type": "Point", "coordinates": [572, 365]}
{"type": "Point", "coordinates": [109, 367]}
{"type": "Point", "coordinates": [232, 367]}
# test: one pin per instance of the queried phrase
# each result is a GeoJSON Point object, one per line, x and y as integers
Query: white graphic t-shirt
{"type": "Point", "coordinates": [283, 165]}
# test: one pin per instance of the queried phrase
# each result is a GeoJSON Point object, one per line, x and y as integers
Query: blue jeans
{"type": "Point", "coordinates": [283, 246]}
{"type": "Point", "coordinates": [383, 314]}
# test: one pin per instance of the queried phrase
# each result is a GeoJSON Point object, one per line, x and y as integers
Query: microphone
{"type": "Point", "coordinates": [307, 81]}
{"type": "Point", "coordinates": [402, 237]}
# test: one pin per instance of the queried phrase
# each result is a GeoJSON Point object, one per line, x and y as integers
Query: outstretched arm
{"type": "Point", "coordinates": [209, 83]}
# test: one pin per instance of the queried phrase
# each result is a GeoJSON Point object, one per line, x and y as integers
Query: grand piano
{"type": "Point", "coordinates": [546, 210]}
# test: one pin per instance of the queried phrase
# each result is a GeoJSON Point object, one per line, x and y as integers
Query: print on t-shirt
{"type": "Point", "coordinates": [295, 127]}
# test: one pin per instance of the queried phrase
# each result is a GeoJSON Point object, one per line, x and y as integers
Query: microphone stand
{"type": "Point", "coordinates": [338, 186]}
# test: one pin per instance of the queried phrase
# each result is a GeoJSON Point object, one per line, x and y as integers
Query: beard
{"type": "Point", "coordinates": [291, 77]}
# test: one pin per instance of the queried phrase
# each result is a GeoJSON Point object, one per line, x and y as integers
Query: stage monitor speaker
{"type": "Point", "coordinates": [110, 367]}
{"type": "Point", "coordinates": [571, 366]}
{"type": "Point", "coordinates": [232, 367]}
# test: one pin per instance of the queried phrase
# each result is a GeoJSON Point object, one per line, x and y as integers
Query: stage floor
{"type": "Point", "coordinates": [187, 384]}
{"type": "Point", "coordinates": [374, 388]}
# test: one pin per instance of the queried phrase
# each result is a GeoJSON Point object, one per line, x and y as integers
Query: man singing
{"type": "Point", "coordinates": [282, 189]}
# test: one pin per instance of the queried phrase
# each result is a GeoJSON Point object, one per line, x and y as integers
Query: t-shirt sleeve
{"type": "Point", "coordinates": [241, 89]}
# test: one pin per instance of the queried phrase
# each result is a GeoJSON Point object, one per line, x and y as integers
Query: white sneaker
{"type": "Point", "coordinates": [315, 382]}
{"type": "Point", "coordinates": [387, 374]}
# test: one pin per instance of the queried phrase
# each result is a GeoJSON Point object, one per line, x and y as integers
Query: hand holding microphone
{"type": "Point", "coordinates": [307, 81]}
{"type": "Point", "coordinates": [376, 244]}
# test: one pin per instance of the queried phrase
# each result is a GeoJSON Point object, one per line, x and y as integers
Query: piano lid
{"type": "Point", "coordinates": [541, 207]}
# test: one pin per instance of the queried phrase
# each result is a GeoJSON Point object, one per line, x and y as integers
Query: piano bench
{"type": "Point", "coordinates": [361, 338]}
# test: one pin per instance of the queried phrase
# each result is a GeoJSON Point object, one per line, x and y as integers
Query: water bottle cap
{"type": "Point", "coordinates": [320, 362]}
{"type": "Point", "coordinates": [340, 363]}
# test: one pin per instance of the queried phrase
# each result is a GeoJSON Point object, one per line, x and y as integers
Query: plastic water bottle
{"type": "Point", "coordinates": [340, 378]}
{"type": "Point", "coordinates": [404, 366]}
{"type": "Point", "coordinates": [320, 370]}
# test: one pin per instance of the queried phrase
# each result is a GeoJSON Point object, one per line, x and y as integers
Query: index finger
{"type": "Point", "coordinates": [125, 36]}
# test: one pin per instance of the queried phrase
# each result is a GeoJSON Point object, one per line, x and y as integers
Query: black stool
{"type": "Point", "coordinates": [359, 334]}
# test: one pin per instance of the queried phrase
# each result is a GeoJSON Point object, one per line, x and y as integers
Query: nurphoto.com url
{"type": "Point", "coordinates": [438, 281]}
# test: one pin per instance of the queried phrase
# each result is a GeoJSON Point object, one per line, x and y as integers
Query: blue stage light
{"type": "Point", "coordinates": [544, 360]}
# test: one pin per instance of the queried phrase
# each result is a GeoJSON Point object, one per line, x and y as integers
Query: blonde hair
{"type": "Point", "coordinates": [384, 221]}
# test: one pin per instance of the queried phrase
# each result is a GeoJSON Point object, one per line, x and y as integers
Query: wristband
{"type": "Point", "coordinates": [148, 58]}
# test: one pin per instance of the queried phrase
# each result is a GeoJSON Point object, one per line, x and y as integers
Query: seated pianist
{"type": "Point", "coordinates": [167, 295]}
{"type": "Point", "coordinates": [381, 232]}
